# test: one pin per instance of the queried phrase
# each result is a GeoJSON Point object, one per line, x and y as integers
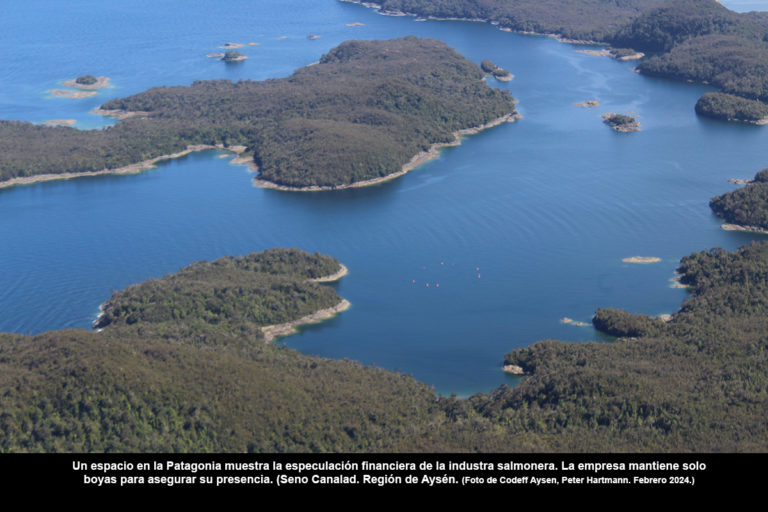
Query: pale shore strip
{"type": "Point", "coordinates": [333, 277]}
{"type": "Point", "coordinates": [64, 93]}
{"type": "Point", "coordinates": [749, 229]}
{"type": "Point", "coordinates": [641, 259]}
{"type": "Point", "coordinates": [513, 369]}
{"type": "Point", "coordinates": [418, 159]}
{"type": "Point", "coordinates": [275, 331]}
{"type": "Point", "coordinates": [59, 122]}
{"type": "Point", "coordinates": [605, 52]}
{"type": "Point", "coordinates": [128, 169]}
{"type": "Point", "coordinates": [118, 114]}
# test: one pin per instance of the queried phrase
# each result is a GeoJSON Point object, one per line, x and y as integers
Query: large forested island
{"type": "Point", "coordinates": [362, 113]}
{"type": "Point", "coordinates": [180, 364]}
{"type": "Point", "coordinates": [696, 40]}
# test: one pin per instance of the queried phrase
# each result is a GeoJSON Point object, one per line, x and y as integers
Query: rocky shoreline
{"type": "Point", "coordinates": [129, 169]}
{"type": "Point", "coordinates": [748, 229]}
{"type": "Point", "coordinates": [118, 114]}
{"type": "Point", "coordinates": [271, 332]}
{"type": "Point", "coordinates": [333, 277]}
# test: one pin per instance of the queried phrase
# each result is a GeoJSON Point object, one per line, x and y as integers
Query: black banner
{"type": "Point", "coordinates": [287, 473]}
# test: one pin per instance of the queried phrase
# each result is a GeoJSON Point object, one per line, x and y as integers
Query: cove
{"type": "Point", "coordinates": [520, 226]}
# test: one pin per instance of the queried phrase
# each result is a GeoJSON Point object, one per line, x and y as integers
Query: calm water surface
{"type": "Point", "coordinates": [520, 226]}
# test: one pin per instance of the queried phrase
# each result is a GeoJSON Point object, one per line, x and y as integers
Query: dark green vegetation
{"type": "Point", "coordinates": [492, 69]}
{"type": "Point", "coordinates": [231, 56]}
{"type": "Point", "coordinates": [731, 108]}
{"type": "Point", "coordinates": [619, 323]}
{"type": "Point", "coordinates": [621, 122]}
{"type": "Point", "coordinates": [227, 295]}
{"type": "Point", "coordinates": [86, 80]}
{"type": "Point", "coordinates": [163, 382]}
{"type": "Point", "coordinates": [747, 206]}
{"type": "Point", "coordinates": [577, 19]}
{"type": "Point", "coordinates": [618, 53]}
{"type": "Point", "coordinates": [698, 382]}
{"type": "Point", "coordinates": [364, 111]}
{"type": "Point", "coordinates": [697, 40]}
{"type": "Point", "coordinates": [180, 366]}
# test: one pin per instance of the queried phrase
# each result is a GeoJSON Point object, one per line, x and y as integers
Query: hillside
{"type": "Point", "coordinates": [180, 365]}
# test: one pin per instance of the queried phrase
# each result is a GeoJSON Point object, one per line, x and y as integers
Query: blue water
{"type": "Point", "coordinates": [520, 226]}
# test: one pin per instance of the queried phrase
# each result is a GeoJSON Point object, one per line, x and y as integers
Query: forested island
{"type": "Point", "coordinates": [694, 40]}
{"type": "Point", "coordinates": [361, 114]}
{"type": "Point", "coordinates": [745, 208]}
{"type": "Point", "coordinates": [621, 122]}
{"type": "Point", "coordinates": [181, 364]}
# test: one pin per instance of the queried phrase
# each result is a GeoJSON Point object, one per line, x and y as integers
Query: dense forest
{"type": "Point", "coordinates": [361, 113]}
{"type": "Point", "coordinates": [697, 40]}
{"type": "Point", "coordinates": [747, 206]}
{"type": "Point", "coordinates": [577, 19]}
{"type": "Point", "coordinates": [179, 365]}
{"type": "Point", "coordinates": [732, 108]}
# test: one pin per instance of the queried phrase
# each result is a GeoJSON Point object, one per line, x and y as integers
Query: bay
{"type": "Point", "coordinates": [520, 226]}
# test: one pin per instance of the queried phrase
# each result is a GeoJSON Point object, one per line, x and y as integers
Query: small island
{"type": "Point", "coordinates": [88, 82]}
{"type": "Point", "coordinates": [230, 46]}
{"type": "Point", "coordinates": [745, 209]}
{"type": "Point", "coordinates": [231, 56]}
{"type": "Point", "coordinates": [500, 74]}
{"type": "Point", "coordinates": [588, 104]}
{"type": "Point", "coordinates": [621, 123]}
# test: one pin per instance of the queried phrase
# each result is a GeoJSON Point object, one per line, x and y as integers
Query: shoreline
{"type": "Point", "coordinates": [75, 95]}
{"type": "Point", "coordinates": [118, 114]}
{"type": "Point", "coordinates": [343, 270]}
{"type": "Point", "coordinates": [418, 159]}
{"type": "Point", "coordinates": [746, 229]}
{"type": "Point", "coordinates": [379, 9]}
{"type": "Point", "coordinates": [271, 332]}
{"type": "Point", "coordinates": [130, 168]}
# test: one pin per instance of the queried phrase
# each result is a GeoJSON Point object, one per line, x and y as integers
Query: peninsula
{"type": "Point", "coordinates": [361, 114]}
{"type": "Point", "coordinates": [500, 74]}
